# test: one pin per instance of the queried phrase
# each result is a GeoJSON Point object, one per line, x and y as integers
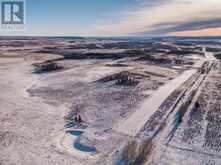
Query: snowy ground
{"type": "Point", "coordinates": [28, 125]}
{"type": "Point", "coordinates": [195, 138]}
{"type": "Point", "coordinates": [33, 106]}
{"type": "Point", "coordinates": [132, 125]}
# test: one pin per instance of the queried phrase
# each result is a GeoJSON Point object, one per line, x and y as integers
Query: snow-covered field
{"type": "Point", "coordinates": [197, 139]}
{"type": "Point", "coordinates": [28, 125]}
{"type": "Point", "coordinates": [132, 125]}
{"type": "Point", "coordinates": [115, 99]}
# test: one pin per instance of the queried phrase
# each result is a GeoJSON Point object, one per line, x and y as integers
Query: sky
{"type": "Point", "coordinates": [121, 18]}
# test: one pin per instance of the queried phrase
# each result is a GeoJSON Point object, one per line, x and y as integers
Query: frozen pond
{"type": "Point", "coordinates": [77, 145]}
{"type": "Point", "coordinates": [84, 148]}
{"type": "Point", "coordinates": [76, 133]}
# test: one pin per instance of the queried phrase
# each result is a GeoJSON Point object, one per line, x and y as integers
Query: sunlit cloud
{"type": "Point", "coordinates": [165, 17]}
{"type": "Point", "coordinates": [201, 32]}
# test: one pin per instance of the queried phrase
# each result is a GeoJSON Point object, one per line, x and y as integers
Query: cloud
{"type": "Point", "coordinates": [162, 17]}
{"type": "Point", "coordinates": [165, 28]}
{"type": "Point", "coordinates": [201, 32]}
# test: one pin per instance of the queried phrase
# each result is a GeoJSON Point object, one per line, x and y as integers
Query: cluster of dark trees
{"type": "Point", "coordinates": [125, 80]}
{"type": "Point", "coordinates": [46, 67]}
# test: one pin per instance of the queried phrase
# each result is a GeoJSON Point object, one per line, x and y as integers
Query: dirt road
{"type": "Point", "coordinates": [132, 125]}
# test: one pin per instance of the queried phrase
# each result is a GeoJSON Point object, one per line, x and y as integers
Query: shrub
{"type": "Point", "coordinates": [135, 153]}
{"type": "Point", "coordinates": [46, 67]}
